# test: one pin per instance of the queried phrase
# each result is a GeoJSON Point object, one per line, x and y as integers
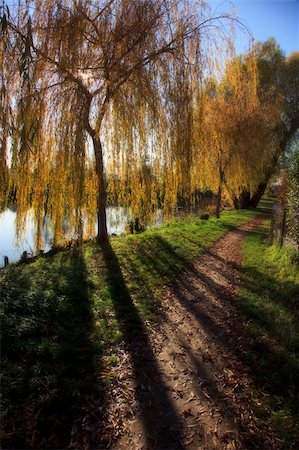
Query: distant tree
{"type": "Point", "coordinates": [231, 130]}
{"type": "Point", "coordinates": [278, 80]}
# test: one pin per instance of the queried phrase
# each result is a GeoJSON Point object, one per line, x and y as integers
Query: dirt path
{"type": "Point", "coordinates": [193, 391]}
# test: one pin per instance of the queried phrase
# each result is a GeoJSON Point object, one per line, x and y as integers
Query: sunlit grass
{"type": "Point", "coordinates": [269, 302]}
{"type": "Point", "coordinates": [151, 260]}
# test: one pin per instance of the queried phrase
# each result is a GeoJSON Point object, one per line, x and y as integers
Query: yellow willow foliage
{"type": "Point", "coordinates": [135, 167]}
{"type": "Point", "coordinates": [3, 134]}
{"type": "Point", "coordinates": [234, 134]}
{"type": "Point", "coordinates": [3, 170]}
{"type": "Point", "coordinates": [103, 106]}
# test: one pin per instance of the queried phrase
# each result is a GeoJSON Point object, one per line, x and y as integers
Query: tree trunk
{"type": "Point", "coordinates": [235, 201]}
{"type": "Point", "coordinates": [244, 199]}
{"type": "Point", "coordinates": [102, 234]}
{"type": "Point", "coordinates": [256, 197]}
{"type": "Point", "coordinates": [233, 196]}
{"type": "Point", "coordinates": [219, 194]}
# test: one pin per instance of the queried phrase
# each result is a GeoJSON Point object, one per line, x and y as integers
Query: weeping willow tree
{"type": "Point", "coordinates": [235, 130]}
{"type": "Point", "coordinates": [99, 107]}
{"type": "Point", "coordinates": [277, 121]}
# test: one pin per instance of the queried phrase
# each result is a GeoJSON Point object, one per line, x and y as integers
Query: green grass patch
{"type": "Point", "coordinates": [270, 306]}
{"type": "Point", "coordinates": [61, 315]}
{"type": "Point", "coordinates": [152, 260]}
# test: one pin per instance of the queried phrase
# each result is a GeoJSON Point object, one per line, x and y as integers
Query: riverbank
{"type": "Point", "coordinates": [65, 320]}
{"type": "Point", "coordinates": [59, 322]}
{"type": "Point", "coordinates": [13, 248]}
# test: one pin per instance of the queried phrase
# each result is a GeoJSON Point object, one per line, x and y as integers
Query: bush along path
{"type": "Point", "coordinates": [184, 379]}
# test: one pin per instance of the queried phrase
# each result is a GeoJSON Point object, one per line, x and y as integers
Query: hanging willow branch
{"type": "Point", "coordinates": [100, 108]}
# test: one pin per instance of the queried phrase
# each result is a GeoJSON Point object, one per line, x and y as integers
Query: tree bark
{"type": "Point", "coordinates": [244, 199]}
{"type": "Point", "coordinates": [102, 233]}
{"type": "Point", "coordinates": [235, 201]}
{"type": "Point", "coordinates": [256, 197]}
{"type": "Point", "coordinates": [219, 194]}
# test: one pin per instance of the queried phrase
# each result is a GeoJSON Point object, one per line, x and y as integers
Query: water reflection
{"type": "Point", "coordinates": [117, 219]}
{"type": "Point", "coordinates": [117, 223]}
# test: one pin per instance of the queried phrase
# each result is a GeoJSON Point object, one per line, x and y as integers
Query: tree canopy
{"type": "Point", "coordinates": [121, 102]}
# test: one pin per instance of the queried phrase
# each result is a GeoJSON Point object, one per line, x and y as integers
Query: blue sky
{"type": "Point", "coordinates": [266, 18]}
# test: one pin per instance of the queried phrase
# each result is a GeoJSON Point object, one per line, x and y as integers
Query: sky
{"type": "Point", "coordinates": [263, 18]}
{"type": "Point", "coordinates": [266, 18]}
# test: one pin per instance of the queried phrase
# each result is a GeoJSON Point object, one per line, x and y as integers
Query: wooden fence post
{"type": "Point", "coordinates": [271, 233]}
{"type": "Point", "coordinates": [24, 255]}
{"type": "Point", "coordinates": [283, 227]}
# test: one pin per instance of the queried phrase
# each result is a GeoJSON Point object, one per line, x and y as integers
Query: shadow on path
{"type": "Point", "coordinates": [162, 425]}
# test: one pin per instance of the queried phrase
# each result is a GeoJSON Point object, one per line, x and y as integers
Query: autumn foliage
{"type": "Point", "coordinates": [131, 103]}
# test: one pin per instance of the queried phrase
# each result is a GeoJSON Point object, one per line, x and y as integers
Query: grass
{"type": "Point", "coordinates": [49, 355]}
{"type": "Point", "coordinates": [152, 260]}
{"type": "Point", "coordinates": [270, 307]}
{"type": "Point", "coordinates": [61, 317]}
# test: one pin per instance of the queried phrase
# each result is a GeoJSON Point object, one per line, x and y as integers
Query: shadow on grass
{"type": "Point", "coordinates": [271, 305]}
{"type": "Point", "coordinates": [266, 205]}
{"type": "Point", "coordinates": [150, 260]}
{"type": "Point", "coordinates": [162, 425]}
{"type": "Point", "coordinates": [49, 356]}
